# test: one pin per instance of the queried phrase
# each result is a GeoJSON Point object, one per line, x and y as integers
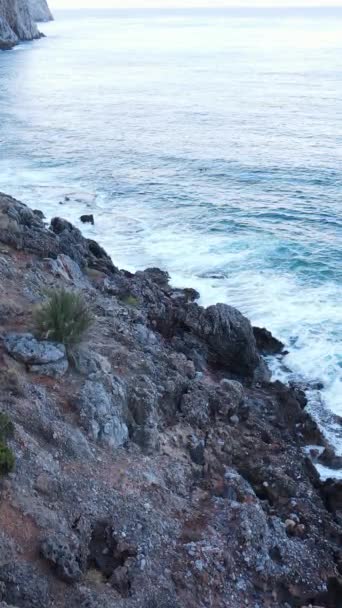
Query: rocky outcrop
{"type": "Point", "coordinates": [17, 21]}
{"type": "Point", "coordinates": [163, 468]}
{"type": "Point", "coordinates": [40, 11]}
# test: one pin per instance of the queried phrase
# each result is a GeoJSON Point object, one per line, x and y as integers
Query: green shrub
{"type": "Point", "coordinates": [7, 459]}
{"type": "Point", "coordinates": [6, 427]}
{"type": "Point", "coordinates": [64, 317]}
{"type": "Point", "coordinates": [130, 300]}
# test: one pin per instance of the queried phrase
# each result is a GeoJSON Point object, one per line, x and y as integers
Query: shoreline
{"type": "Point", "coordinates": [163, 443]}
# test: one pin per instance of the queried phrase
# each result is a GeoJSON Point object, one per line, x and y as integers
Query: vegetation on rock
{"type": "Point", "coordinates": [64, 317]}
{"type": "Point", "coordinates": [7, 459]}
{"type": "Point", "coordinates": [6, 455]}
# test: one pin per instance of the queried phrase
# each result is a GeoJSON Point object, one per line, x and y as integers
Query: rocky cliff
{"type": "Point", "coordinates": [158, 466]}
{"type": "Point", "coordinates": [17, 22]}
{"type": "Point", "coordinates": [40, 11]}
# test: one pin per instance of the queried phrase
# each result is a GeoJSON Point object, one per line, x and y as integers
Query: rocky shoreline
{"type": "Point", "coordinates": [18, 19]}
{"type": "Point", "coordinates": [159, 466]}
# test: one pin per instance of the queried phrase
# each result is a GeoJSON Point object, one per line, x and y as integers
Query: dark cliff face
{"type": "Point", "coordinates": [18, 20]}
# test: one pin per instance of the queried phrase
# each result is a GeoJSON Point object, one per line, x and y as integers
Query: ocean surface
{"type": "Point", "coordinates": [208, 143]}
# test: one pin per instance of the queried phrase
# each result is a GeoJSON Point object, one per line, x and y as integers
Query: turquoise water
{"type": "Point", "coordinates": [207, 143]}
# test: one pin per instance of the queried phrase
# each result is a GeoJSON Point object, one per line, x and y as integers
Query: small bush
{"type": "Point", "coordinates": [130, 300]}
{"type": "Point", "coordinates": [64, 317]}
{"type": "Point", "coordinates": [11, 382]}
{"type": "Point", "coordinates": [7, 459]}
{"type": "Point", "coordinates": [6, 427]}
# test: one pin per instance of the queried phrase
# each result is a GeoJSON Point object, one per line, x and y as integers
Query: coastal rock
{"type": "Point", "coordinates": [16, 23]}
{"type": "Point", "coordinates": [213, 495]}
{"type": "Point", "coordinates": [24, 230]}
{"type": "Point", "coordinates": [40, 11]}
{"type": "Point", "coordinates": [266, 343]}
{"type": "Point", "coordinates": [229, 336]}
{"type": "Point", "coordinates": [87, 219]}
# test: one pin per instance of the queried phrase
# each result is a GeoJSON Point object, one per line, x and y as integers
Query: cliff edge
{"type": "Point", "coordinates": [40, 11]}
{"type": "Point", "coordinates": [18, 21]}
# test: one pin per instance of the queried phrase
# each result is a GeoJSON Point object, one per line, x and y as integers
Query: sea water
{"type": "Point", "coordinates": [208, 143]}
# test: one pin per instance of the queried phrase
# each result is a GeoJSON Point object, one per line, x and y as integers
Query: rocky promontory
{"type": "Point", "coordinates": [40, 11]}
{"type": "Point", "coordinates": [156, 465]}
{"type": "Point", "coordinates": [18, 20]}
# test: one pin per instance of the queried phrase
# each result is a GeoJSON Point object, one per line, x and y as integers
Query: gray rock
{"type": "Point", "coordinates": [27, 349]}
{"type": "Point", "coordinates": [235, 391]}
{"type": "Point", "coordinates": [22, 229]}
{"type": "Point", "coordinates": [229, 335]}
{"type": "Point", "coordinates": [68, 270]}
{"type": "Point", "coordinates": [88, 362]}
{"type": "Point", "coordinates": [40, 11]}
{"type": "Point", "coordinates": [63, 555]}
{"type": "Point", "coordinates": [101, 414]}
{"type": "Point", "coordinates": [21, 585]}
{"type": "Point", "coordinates": [16, 23]}
{"type": "Point", "coordinates": [52, 370]}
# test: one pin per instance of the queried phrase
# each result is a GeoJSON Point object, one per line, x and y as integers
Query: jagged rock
{"type": "Point", "coordinates": [22, 586]}
{"type": "Point", "coordinates": [229, 335]}
{"type": "Point", "coordinates": [143, 416]}
{"type": "Point", "coordinates": [63, 266]}
{"type": "Point", "coordinates": [89, 362]}
{"type": "Point", "coordinates": [101, 413]}
{"type": "Point", "coordinates": [16, 23]}
{"type": "Point", "coordinates": [22, 229]}
{"type": "Point", "coordinates": [266, 343]}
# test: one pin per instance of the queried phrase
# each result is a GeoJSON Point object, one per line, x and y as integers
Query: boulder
{"type": "Point", "coordinates": [229, 335]}
{"type": "Point", "coordinates": [27, 349]}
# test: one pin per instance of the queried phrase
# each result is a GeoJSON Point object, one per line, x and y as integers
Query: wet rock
{"type": "Point", "coordinates": [332, 492]}
{"type": "Point", "coordinates": [87, 219]}
{"type": "Point", "coordinates": [266, 343]}
{"type": "Point", "coordinates": [329, 459]}
{"type": "Point", "coordinates": [101, 413]}
{"type": "Point", "coordinates": [229, 335]}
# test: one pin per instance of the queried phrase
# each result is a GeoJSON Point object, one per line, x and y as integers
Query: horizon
{"type": "Point", "coordinates": [187, 4]}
